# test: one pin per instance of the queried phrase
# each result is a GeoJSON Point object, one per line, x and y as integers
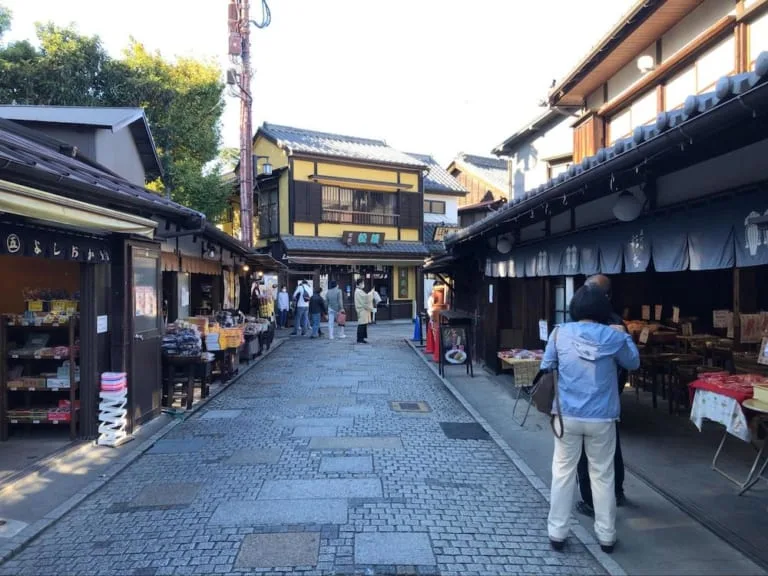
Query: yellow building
{"type": "Point", "coordinates": [341, 208]}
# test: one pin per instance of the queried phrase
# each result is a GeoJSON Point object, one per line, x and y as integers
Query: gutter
{"type": "Point", "coordinates": [733, 109]}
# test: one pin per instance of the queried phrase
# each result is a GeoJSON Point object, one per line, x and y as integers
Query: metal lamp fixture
{"type": "Point", "coordinates": [266, 167]}
{"type": "Point", "coordinates": [628, 207]}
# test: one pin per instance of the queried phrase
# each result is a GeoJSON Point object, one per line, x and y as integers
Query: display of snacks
{"type": "Point", "coordinates": [182, 339]}
{"type": "Point", "coordinates": [521, 354]}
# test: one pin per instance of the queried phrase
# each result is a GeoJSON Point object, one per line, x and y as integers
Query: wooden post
{"type": "Point", "coordinates": [736, 308]}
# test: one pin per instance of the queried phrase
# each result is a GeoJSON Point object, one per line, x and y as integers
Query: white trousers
{"type": "Point", "coordinates": [332, 325]}
{"type": "Point", "coordinates": [599, 441]}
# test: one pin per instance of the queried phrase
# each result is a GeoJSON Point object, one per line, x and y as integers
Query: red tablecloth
{"type": "Point", "coordinates": [736, 386]}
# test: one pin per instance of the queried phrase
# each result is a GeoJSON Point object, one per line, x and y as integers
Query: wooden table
{"type": "Point", "coordinates": [188, 367]}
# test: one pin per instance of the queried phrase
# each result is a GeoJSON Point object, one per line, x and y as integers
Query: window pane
{"type": "Point", "coordinates": [620, 126]}
{"type": "Point", "coordinates": [758, 37]}
{"type": "Point", "coordinates": [560, 298]}
{"type": "Point", "coordinates": [644, 110]}
{"type": "Point", "coordinates": [715, 64]}
{"type": "Point", "coordinates": [145, 293]}
{"type": "Point", "coordinates": [679, 88]}
{"type": "Point", "coordinates": [438, 207]}
{"type": "Point", "coordinates": [427, 207]}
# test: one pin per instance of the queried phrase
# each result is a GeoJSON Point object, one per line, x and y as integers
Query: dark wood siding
{"type": "Point", "coordinates": [307, 201]}
{"type": "Point", "coordinates": [411, 206]}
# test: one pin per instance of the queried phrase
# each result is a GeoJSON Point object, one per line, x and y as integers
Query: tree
{"type": "Point", "coordinates": [183, 100]}
{"type": "Point", "coordinates": [6, 16]}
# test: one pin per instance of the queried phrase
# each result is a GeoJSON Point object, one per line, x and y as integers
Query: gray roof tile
{"type": "Point", "coordinates": [726, 88]}
{"type": "Point", "coordinates": [439, 180]}
{"type": "Point", "coordinates": [492, 170]}
{"type": "Point", "coordinates": [297, 140]}
{"type": "Point", "coordinates": [319, 244]}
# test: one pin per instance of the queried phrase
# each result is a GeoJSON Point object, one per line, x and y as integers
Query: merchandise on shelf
{"type": "Point", "coordinates": [182, 339]}
{"type": "Point", "coordinates": [521, 354]}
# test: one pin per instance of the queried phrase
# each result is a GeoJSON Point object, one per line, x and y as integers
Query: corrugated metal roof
{"type": "Point", "coordinates": [325, 245]}
{"type": "Point", "coordinates": [439, 180]}
{"type": "Point", "coordinates": [298, 140]}
{"type": "Point", "coordinates": [491, 170]}
{"type": "Point", "coordinates": [114, 119]}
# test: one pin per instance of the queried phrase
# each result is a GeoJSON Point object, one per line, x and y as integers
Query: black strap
{"type": "Point", "coordinates": [557, 391]}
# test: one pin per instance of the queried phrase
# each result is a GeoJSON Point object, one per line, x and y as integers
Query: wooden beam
{"type": "Point", "coordinates": [744, 14]}
{"type": "Point", "coordinates": [666, 69]}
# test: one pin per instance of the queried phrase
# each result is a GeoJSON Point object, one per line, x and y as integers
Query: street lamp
{"type": "Point", "coordinates": [266, 168]}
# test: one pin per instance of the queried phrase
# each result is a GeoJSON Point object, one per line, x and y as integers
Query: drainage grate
{"type": "Point", "coordinates": [464, 431]}
{"type": "Point", "coordinates": [419, 407]}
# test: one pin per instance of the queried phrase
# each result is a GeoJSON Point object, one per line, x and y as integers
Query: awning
{"type": "Point", "coordinates": [30, 203]}
{"type": "Point", "coordinates": [264, 262]}
{"type": "Point", "coordinates": [200, 266]}
{"type": "Point", "coordinates": [383, 261]}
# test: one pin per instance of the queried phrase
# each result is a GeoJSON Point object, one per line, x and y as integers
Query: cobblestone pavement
{"type": "Point", "coordinates": [303, 466]}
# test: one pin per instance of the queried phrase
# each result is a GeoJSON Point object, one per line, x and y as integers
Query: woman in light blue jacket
{"type": "Point", "coordinates": [585, 352]}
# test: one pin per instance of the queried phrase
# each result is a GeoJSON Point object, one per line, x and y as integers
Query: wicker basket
{"type": "Point", "coordinates": [525, 370]}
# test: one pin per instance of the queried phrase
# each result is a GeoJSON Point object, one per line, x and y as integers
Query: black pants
{"type": "Point", "coordinates": [362, 332]}
{"type": "Point", "coordinates": [583, 472]}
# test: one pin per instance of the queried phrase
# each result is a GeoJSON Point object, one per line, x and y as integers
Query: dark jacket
{"type": "Point", "coordinates": [317, 305]}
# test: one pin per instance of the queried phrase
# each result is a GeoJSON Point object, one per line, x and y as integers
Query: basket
{"type": "Point", "coordinates": [525, 370]}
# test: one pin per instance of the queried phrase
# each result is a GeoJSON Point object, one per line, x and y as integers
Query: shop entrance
{"type": "Point", "coordinates": [146, 332]}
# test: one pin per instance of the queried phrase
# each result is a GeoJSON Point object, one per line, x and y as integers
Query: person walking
{"type": "Point", "coordinates": [585, 353]}
{"type": "Point", "coordinates": [363, 307]}
{"type": "Point", "coordinates": [335, 303]}
{"type": "Point", "coordinates": [301, 296]}
{"type": "Point", "coordinates": [317, 308]}
{"type": "Point", "coordinates": [283, 305]}
{"type": "Point", "coordinates": [586, 506]}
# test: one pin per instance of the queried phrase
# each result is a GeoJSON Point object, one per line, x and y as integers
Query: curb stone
{"type": "Point", "coordinates": [20, 541]}
{"type": "Point", "coordinates": [580, 533]}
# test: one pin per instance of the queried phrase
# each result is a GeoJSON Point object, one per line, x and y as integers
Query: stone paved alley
{"type": "Point", "coordinates": [305, 466]}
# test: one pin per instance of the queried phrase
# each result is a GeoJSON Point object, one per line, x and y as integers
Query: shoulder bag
{"type": "Point", "coordinates": [545, 393]}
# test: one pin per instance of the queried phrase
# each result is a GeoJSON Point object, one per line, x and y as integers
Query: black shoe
{"type": "Point", "coordinates": [557, 545]}
{"type": "Point", "coordinates": [584, 508]}
{"type": "Point", "coordinates": [608, 548]}
{"type": "Point", "coordinates": [621, 500]}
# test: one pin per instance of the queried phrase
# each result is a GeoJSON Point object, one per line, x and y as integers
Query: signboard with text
{"type": "Point", "coordinates": [442, 231]}
{"type": "Point", "coordinates": [363, 238]}
{"type": "Point", "coordinates": [40, 243]}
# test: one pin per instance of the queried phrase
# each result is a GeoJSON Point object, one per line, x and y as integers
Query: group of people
{"type": "Point", "coordinates": [310, 307]}
{"type": "Point", "coordinates": [591, 354]}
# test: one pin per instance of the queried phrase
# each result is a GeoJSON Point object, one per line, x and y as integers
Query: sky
{"type": "Point", "coordinates": [428, 76]}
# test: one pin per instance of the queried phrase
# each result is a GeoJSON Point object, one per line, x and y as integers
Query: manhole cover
{"type": "Point", "coordinates": [464, 431]}
{"type": "Point", "coordinates": [418, 407]}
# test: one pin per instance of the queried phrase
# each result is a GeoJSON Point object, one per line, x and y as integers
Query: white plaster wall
{"type": "Point", "coordinates": [758, 36]}
{"type": "Point", "coordinates": [528, 165]}
{"type": "Point", "coordinates": [628, 75]}
{"type": "Point", "coordinates": [595, 100]}
{"type": "Point", "coordinates": [709, 12]}
{"type": "Point", "coordinates": [451, 215]}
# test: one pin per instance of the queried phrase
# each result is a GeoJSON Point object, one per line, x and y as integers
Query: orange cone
{"type": "Point", "coordinates": [430, 340]}
{"type": "Point", "coordinates": [436, 351]}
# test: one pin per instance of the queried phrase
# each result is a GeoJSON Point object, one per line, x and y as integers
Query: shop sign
{"type": "Point", "coordinates": [442, 231]}
{"type": "Point", "coordinates": [20, 241]}
{"type": "Point", "coordinates": [363, 238]}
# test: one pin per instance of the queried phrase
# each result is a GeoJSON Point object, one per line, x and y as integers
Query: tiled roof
{"type": "Point", "coordinates": [439, 181]}
{"type": "Point", "coordinates": [319, 244]}
{"type": "Point", "coordinates": [492, 170]}
{"type": "Point", "coordinates": [695, 107]}
{"type": "Point", "coordinates": [529, 132]}
{"type": "Point", "coordinates": [297, 140]}
{"type": "Point", "coordinates": [99, 117]}
{"type": "Point", "coordinates": [21, 148]}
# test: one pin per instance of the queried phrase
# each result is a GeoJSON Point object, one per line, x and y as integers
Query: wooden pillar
{"type": "Point", "coordinates": [736, 307]}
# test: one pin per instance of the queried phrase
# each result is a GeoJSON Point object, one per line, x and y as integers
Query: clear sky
{"type": "Point", "coordinates": [428, 76]}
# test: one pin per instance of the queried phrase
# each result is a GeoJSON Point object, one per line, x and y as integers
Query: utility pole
{"type": "Point", "coordinates": [240, 49]}
{"type": "Point", "coordinates": [246, 128]}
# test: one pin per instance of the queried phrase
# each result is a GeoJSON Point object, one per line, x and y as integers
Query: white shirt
{"type": "Point", "coordinates": [298, 294]}
{"type": "Point", "coordinates": [282, 301]}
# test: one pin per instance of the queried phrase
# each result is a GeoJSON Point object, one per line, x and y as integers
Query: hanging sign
{"type": "Point", "coordinates": [720, 318]}
{"type": "Point", "coordinates": [645, 313]}
{"type": "Point", "coordinates": [363, 238]}
{"type": "Point", "coordinates": [644, 335]}
{"type": "Point", "coordinates": [38, 243]}
{"type": "Point", "coordinates": [675, 315]}
{"type": "Point", "coordinates": [442, 231]}
{"type": "Point", "coordinates": [657, 309]}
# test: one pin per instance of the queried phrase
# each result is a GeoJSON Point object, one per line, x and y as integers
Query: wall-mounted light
{"type": "Point", "coordinates": [628, 207]}
{"type": "Point", "coordinates": [646, 63]}
{"type": "Point", "coordinates": [246, 267]}
{"type": "Point", "coordinates": [266, 167]}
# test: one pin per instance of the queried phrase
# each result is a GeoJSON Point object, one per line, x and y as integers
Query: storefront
{"type": "Point", "coordinates": [393, 269]}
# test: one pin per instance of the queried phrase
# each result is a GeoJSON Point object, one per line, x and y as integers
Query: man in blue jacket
{"type": "Point", "coordinates": [585, 488]}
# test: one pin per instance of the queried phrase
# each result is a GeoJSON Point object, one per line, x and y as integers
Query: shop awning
{"type": "Point", "coordinates": [264, 262]}
{"type": "Point", "coordinates": [347, 261]}
{"type": "Point", "coordinates": [31, 203]}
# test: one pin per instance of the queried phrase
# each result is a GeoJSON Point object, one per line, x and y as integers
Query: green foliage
{"type": "Point", "coordinates": [183, 100]}
{"type": "Point", "coordinates": [6, 16]}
